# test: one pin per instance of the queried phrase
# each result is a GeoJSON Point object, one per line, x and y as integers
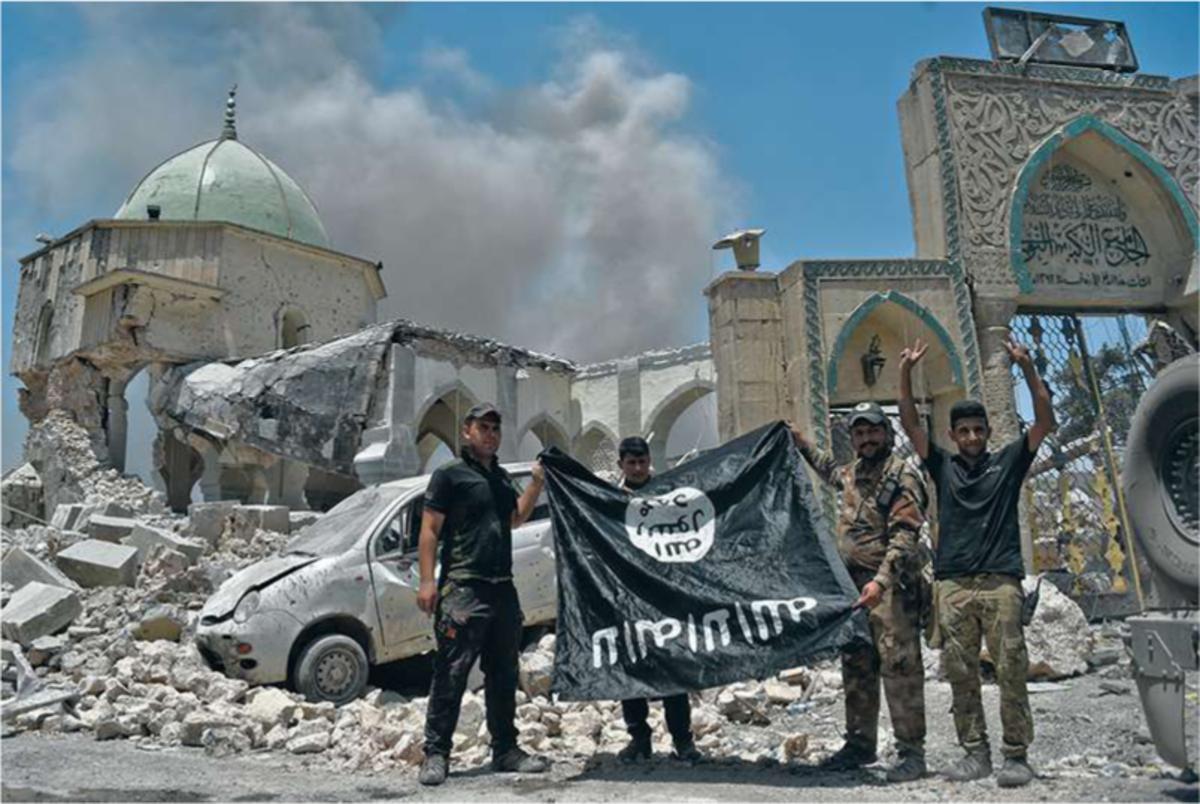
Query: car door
{"type": "Point", "coordinates": [395, 575]}
{"type": "Point", "coordinates": [533, 562]}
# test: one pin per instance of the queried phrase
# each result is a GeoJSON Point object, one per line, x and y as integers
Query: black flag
{"type": "Point", "coordinates": [719, 570]}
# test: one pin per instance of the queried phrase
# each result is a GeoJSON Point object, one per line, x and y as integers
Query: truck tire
{"type": "Point", "coordinates": [332, 668]}
{"type": "Point", "coordinates": [1159, 476]}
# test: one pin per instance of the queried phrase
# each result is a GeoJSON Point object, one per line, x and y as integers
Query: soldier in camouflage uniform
{"type": "Point", "coordinates": [878, 529]}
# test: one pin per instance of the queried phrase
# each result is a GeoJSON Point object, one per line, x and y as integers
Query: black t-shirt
{"type": "Point", "coordinates": [478, 503]}
{"type": "Point", "coordinates": [978, 527]}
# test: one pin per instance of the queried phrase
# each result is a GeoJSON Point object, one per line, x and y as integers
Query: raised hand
{"type": "Point", "coordinates": [1019, 354]}
{"type": "Point", "coordinates": [911, 355]}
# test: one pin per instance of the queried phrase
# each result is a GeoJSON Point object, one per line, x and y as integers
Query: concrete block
{"type": "Point", "coordinates": [20, 568]}
{"type": "Point", "coordinates": [206, 520]}
{"type": "Point", "coordinates": [21, 498]}
{"type": "Point", "coordinates": [144, 538]}
{"type": "Point", "coordinates": [266, 517]}
{"type": "Point", "coordinates": [99, 563]}
{"type": "Point", "coordinates": [110, 528]}
{"type": "Point", "coordinates": [69, 516]}
{"type": "Point", "coordinates": [36, 610]}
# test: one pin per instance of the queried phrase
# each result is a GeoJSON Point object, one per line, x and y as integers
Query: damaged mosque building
{"type": "Point", "coordinates": [270, 380]}
{"type": "Point", "coordinates": [1050, 183]}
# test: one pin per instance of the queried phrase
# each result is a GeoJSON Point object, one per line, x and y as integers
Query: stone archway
{"type": "Point", "coordinates": [441, 416]}
{"type": "Point", "coordinates": [1096, 221]}
{"type": "Point", "coordinates": [596, 447]}
{"type": "Point", "coordinates": [879, 328]}
{"type": "Point", "coordinates": [547, 431]}
{"type": "Point", "coordinates": [666, 412]}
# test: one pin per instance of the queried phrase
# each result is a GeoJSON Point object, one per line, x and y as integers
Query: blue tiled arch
{"type": "Point", "coordinates": [863, 310]}
{"type": "Point", "coordinates": [1057, 140]}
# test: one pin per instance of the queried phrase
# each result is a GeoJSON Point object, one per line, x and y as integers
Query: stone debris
{"type": "Point", "coordinates": [99, 563]}
{"type": "Point", "coordinates": [20, 568]}
{"type": "Point", "coordinates": [145, 537]}
{"type": "Point", "coordinates": [21, 497]}
{"type": "Point", "coordinates": [38, 609]}
{"type": "Point", "coordinates": [125, 656]}
{"type": "Point", "coordinates": [110, 528]}
{"type": "Point", "coordinates": [206, 520]}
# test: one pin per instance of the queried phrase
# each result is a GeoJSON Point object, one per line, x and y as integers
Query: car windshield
{"type": "Point", "coordinates": [337, 530]}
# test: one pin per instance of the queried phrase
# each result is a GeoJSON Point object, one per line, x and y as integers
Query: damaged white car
{"type": "Point", "coordinates": [342, 596]}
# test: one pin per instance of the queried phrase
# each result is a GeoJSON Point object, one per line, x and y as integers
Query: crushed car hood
{"type": "Point", "coordinates": [255, 576]}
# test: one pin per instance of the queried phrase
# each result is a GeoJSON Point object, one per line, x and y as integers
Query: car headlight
{"type": "Point", "coordinates": [245, 607]}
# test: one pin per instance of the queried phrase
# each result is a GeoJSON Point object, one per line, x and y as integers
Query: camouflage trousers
{"type": "Point", "coordinates": [971, 609]}
{"type": "Point", "coordinates": [894, 656]}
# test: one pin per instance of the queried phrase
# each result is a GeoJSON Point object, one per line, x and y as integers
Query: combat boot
{"type": "Point", "coordinates": [686, 751]}
{"type": "Point", "coordinates": [910, 767]}
{"type": "Point", "coordinates": [1015, 773]}
{"type": "Point", "coordinates": [975, 765]}
{"type": "Point", "coordinates": [638, 748]}
{"type": "Point", "coordinates": [433, 769]}
{"type": "Point", "coordinates": [850, 756]}
{"type": "Point", "coordinates": [514, 760]}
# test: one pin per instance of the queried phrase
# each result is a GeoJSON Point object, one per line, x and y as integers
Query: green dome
{"type": "Point", "coordinates": [224, 180]}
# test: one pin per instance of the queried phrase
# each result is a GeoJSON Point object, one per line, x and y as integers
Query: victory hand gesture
{"type": "Point", "coordinates": [1019, 354]}
{"type": "Point", "coordinates": [912, 354]}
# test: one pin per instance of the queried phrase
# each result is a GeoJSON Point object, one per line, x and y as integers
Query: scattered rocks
{"type": "Point", "coordinates": [161, 622]}
{"type": "Point", "coordinates": [1058, 639]}
{"type": "Point", "coordinates": [536, 668]}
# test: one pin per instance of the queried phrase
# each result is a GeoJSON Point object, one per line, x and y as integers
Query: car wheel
{"type": "Point", "coordinates": [1160, 472]}
{"type": "Point", "coordinates": [332, 668]}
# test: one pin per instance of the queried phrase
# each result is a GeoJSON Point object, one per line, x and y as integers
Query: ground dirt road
{"type": "Point", "coordinates": [1091, 746]}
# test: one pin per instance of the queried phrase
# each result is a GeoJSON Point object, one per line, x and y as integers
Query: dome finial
{"type": "Point", "coordinates": [230, 130]}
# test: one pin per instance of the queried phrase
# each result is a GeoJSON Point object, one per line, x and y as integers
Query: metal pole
{"type": "Point", "coordinates": [1111, 461]}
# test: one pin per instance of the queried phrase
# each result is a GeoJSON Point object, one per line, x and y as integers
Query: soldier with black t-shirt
{"type": "Point", "coordinates": [471, 507]}
{"type": "Point", "coordinates": [978, 566]}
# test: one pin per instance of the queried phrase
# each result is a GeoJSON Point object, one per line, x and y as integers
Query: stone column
{"type": "Point", "coordinates": [389, 451]}
{"type": "Point", "coordinates": [179, 467]}
{"type": "Point", "coordinates": [992, 318]}
{"type": "Point", "coordinates": [116, 423]}
{"type": "Point", "coordinates": [745, 329]}
{"type": "Point", "coordinates": [210, 476]}
{"type": "Point", "coordinates": [506, 401]}
{"type": "Point", "coordinates": [287, 481]}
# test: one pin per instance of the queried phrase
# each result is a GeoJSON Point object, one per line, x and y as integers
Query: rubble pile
{"type": "Point", "coordinates": [100, 609]}
{"type": "Point", "coordinates": [70, 470]}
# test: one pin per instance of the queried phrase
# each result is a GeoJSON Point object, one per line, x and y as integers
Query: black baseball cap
{"type": "Point", "coordinates": [633, 445]}
{"type": "Point", "coordinates": [868, 412]}
{"type": "Point", "coordinates": [482, 410]}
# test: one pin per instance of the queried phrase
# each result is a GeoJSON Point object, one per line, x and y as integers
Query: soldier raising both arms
{"type": "Point", "coordinates": [978, 565]}
{"type": "Point", "coordinates": [878, 529]}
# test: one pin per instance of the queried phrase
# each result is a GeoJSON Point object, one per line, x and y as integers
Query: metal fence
{"type": "Point", "coordinates": [1072, 501]}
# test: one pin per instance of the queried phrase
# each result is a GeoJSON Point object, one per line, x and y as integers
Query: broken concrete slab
{"type": "Point", "coordinates": [37, 700]}
{"type": "Point", "coordinates": [20, 567]}
{"type": "Point", "coordinates": [100, 563]}
{"type": "Point", "coordinates": [36, 610]}
{"type": "Point", "coordinates": [70, 516]}
{"type": "Point", "coordinates": [144, 538]}
{"type": "Point", "coordinates": [263, 517]}
{"type": "Point", "coordinates": [110, 528]}
{"type": "Point", "coordinates": [21, 497]}
{"type": "Point", "coordinates": [301, 519]}
{"type": "Point", "coordinates": [206, 520]}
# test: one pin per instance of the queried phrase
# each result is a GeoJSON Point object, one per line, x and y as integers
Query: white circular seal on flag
{"type": "Point", "coordinates": [675, 527]}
